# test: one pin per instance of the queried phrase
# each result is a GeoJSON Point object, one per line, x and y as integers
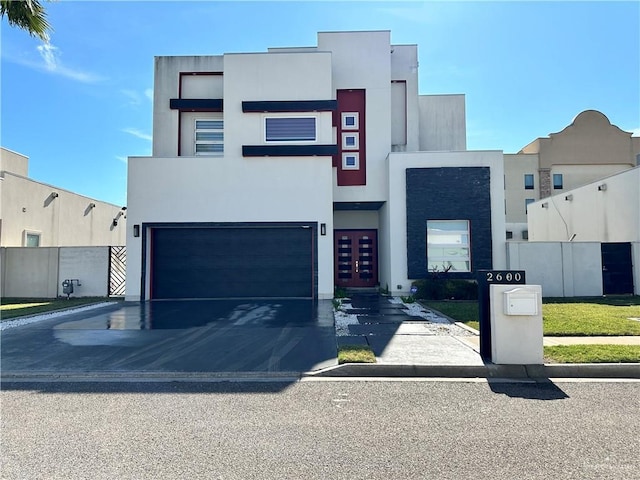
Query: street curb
{"type": "Point", "coordinates": [349, 370]}
{"type": "Point", "coordinates": [608, 370]}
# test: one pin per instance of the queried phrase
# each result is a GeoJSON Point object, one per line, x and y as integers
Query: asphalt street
{"type": "Point", "coordinates": [321, 429]}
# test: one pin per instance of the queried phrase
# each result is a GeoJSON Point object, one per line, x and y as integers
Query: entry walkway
{"type": "Point", "coordinates": [402, 334]}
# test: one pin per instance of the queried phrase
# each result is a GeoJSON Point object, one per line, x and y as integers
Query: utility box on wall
{"type": "Point", "coordinates": [516, 324]}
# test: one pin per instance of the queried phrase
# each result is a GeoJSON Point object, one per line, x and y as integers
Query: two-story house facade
{"type": "Point", "coordinates": [294, 171]}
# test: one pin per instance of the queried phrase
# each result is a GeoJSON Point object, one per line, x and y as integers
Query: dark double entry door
{"type": "Point", "coordinates": [356, 258]}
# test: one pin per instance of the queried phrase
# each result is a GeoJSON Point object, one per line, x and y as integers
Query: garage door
{"type": "Point", "coordinates": [232, 262]}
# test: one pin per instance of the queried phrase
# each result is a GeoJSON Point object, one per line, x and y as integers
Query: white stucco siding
{"type": "Point", "coordinates": [361, 60]}
{"type": "Point", "coordinates": [209, 189]}
{"type": "Point", "coordinates": [404, 66]}
{"type": "Point", "coordinates": [516, 166]}
{"type": "Point", "coordinates": [167, 86]}
{"type": "Point", "coordinates": [13, 162]}
{"type": "Point", "coordinates": [394, 213]}
{"type": "Point", "coordinates": [273, 77]}
{"type": "Point", "coordinates": [443, 123]}
{"type": "Point", "coordinates": [610, 215]}
{"type": "Point", "coordinates": [64, 220]}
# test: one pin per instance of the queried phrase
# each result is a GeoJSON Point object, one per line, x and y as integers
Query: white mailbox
{"type": "Point", "coordinates": [521, 301]}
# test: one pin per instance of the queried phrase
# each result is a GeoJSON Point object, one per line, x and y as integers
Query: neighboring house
{"type": "Point", "coordinates": [606, 212]}
{"type": "Point", "coordinates": [588, 149]}
{"type": "Point", "coordinates": [294, 171]}
{"type": "Point", "coordinates": [34, 214]}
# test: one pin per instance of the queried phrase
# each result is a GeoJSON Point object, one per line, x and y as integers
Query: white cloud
{"type": "Point", "coordinates": [132, 96]}
{"type": "Point", "coordinates": [122, 159]}
{"type": "Point", "coordinates": [635, 132]}
{"type": "Point", "coordinates": [149, 93]}
{"type": "Point", "coordinates": [51, 63]}
{"type": "Point", "coordinates": [137, 133]}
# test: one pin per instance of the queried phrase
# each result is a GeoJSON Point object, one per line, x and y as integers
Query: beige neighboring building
{"type": "Point", "coordinates": [589, 149]}
{"type": "Point", "coordinates": [34, 214]}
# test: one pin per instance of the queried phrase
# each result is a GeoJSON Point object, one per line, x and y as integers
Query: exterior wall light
{"type": "Point", "coordinates": [136, 230]}
{"type": "Point", "coordinates": [545, 205]}
{"type": "Point", "coordinates": [323, 229]}
{"type": "Point", "coordinates": [569, 198]}
{"type": "Point", "coordinates": [602, 187]}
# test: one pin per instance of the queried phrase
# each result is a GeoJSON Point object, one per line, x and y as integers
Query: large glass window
{"type": "Point", "coordinates": [528, 181]}
{"type": "Point", "coordinates": [209, 137]}
{"type": "Point", "coordinates": [448, 246]}
{"type": "Point", "coordinates": [290, 129]}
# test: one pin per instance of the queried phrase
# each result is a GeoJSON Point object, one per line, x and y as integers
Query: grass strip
{"type": "Point", "coordinates": [592, 354]}
{"type": "Point", "coordinates": [355, 354]}
{"type": "Point", "coordinates": [606, 316]}
{"type": "Point", "coordinates": [18, 307]}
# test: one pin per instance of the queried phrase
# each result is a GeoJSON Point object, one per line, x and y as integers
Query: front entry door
{"type": "Point", "coordinates": [356, 258]}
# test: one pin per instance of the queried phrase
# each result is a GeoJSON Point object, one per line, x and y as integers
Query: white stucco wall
{"type": "Point", "coordinates": [66, 220]}
{"type": "Point", "coordinates": [569, 269]}
{"type": "Point", "coordinates": [515, 168]}
{"type": "Point", "coordinates": [394, 216]}
{"type": "Point", "coordinates": [13, 162]}
{"type": "Point", "coordinates": [361, 60]}
{"type": "Point", "coordinates": [90, 265]}
{"type": "Point", "coordinates": [611, 215]}
{"type": "Point", "coordinates": [167, 86]}
{"type": "Point", "coordinates": [30, 272]}
{"type": "Point", "coordinates": [157, 193]}
{"type": "Point", "coordinates": [443, 123]}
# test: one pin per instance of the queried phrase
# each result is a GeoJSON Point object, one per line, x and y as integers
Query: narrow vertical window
{"type": "Point", "coordinates": [209, 136]}
{"type": "Point", "coordinates": [528, 181]}
{"type": "Point", "coordinates": [527, 201]}
{"type": "Point", "coordinates": [557, 181]}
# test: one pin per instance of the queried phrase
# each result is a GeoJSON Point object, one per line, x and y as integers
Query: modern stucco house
{"type": "Point", "coordinates": [290, 172]}
{"type": "Point", "coordinates": [36, 214]}
{"type": "Point", "coordinates": [588, 149]}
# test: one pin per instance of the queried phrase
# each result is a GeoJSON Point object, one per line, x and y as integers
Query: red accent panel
{"type": "Point", "coordinates": [351, 101]}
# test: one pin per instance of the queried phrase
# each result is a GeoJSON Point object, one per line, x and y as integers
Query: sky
{"type": "Point", "coordinates": [81, 104]}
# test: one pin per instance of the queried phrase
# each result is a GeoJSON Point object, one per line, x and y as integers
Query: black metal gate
{"type": "Point", "coordinates": [117, 270]}
{"type": "Point", "coordinates": [617, 271]}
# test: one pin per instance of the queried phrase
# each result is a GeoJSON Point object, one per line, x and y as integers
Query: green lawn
{"type": "Point", "coordinates": [592, 354]}
{"type": "Point", "coordinates": [566, 317]}
{"type": "Point", "coordinates": [18, 307]}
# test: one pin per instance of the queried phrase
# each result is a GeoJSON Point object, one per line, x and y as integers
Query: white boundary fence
{"type": "Point", "coordinates": [39, 272]}
{"type": "Point", "coordinates": [565, 269]}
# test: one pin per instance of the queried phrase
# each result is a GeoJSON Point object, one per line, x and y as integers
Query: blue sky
{"type": "Point", "coordinates": [80, 105]}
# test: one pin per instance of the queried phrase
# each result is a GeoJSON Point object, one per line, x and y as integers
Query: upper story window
{"type": "Point", "coordinates": [350, 120]}
{"type": "Point", "coordinates": [528, 201]}
{"type": "Point", "coordinates": [350, 141]}
{"type": "Point", "coordinates": [557, 181]}
{"type": "Point", "coordinates": [528, 181]}
{"type": "Point", "coordinates": [290, 129]}
{"type": "Point", "coordinates": [209, 136]}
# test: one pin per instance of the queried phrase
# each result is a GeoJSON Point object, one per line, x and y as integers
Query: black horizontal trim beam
{"type": "Point", "coordinates": [288, 150]}
{"type": "Point", "coordinates": [291, 106]}
{"type": "Point", "coordinates": [196, 104]}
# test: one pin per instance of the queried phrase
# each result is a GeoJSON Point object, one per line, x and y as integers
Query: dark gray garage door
{"type": "Point", "coordinates": [232, 262]}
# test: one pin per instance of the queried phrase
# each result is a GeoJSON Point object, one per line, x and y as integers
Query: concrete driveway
{"type": "Point", "coordinates": [178, 336]}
